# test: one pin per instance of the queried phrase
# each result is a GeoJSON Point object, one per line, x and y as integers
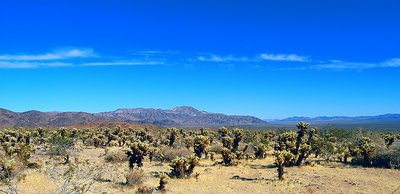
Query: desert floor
{"type": "Point", "coordinates": [253, 176]}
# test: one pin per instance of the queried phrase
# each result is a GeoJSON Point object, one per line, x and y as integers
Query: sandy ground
{"type": "Point", "coordinates": [248, 177]}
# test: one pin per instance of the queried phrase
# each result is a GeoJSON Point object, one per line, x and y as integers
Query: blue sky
{"type": "Point", "coordinates": [271, 59]}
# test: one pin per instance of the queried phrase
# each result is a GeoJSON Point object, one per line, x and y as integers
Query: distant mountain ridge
{"type": "Point", "coordinates": [341, 118]}
{"type": "Point", "coordinates": [183, 116]}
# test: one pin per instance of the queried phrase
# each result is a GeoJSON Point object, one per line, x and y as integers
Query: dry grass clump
{"type": "Point", "coordinates": [116, 157]}
{"type": "Point", "coordinates": [134, 177]}
{"type": "Point", "coordinates": [168, 154]}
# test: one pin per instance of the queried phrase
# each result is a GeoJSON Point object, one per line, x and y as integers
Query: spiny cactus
{"type": "Point", "coordinates": [138, 151]}
{"type": "Point", "coordinates": [163, 181]}
{"type": "Point", "coordinates": [172, 136]}
{"type": "Point", "coordinates": [183, 167]}
{"type": "Point", "coordinates": [283, 158]}
{"type": "Point", "coordinates": [200, 145]}
{"type": "Point", "coordinates": [367, 147]}
{"type": "Point", "coordinates": [227, 142]}
{"type": "Point", "coordinates": [228, 158]}
{"type": "Point", "coordinates": [223, 132]}
{"type": "Point", "coordinates": [260, 151]}
{"type": "Point", "coordinates": [238, 133]}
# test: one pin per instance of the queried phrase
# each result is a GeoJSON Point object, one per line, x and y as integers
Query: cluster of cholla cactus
{"type": "Point", "coordinates": [17, 143]}
{"type": "Point", "coordinates": [367, 148]}
{"type": "Point", "coordinates": [231, 153]}
{"type": "Point", "coordinates": [389, 138]}
{"type": "Point", "coordinates": [292, 148]}
{"type": "Point", "coordinates": [183, 167]}
{"type": "Point", "coordinates": [138, 151]}
{"type": "Point", "coordinates": [200, 145]}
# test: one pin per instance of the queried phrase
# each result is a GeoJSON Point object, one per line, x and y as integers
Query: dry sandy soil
{"type": "Point", "coordinates": [248, 177]}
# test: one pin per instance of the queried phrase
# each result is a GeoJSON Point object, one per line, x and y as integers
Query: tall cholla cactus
{"type": "Point", "coordinates": [283, 158]}
{"type": "Point", "coordinates": [302, 126]}
{"type": "Point", "coordinates": [138, 151]}
{"type": "Point", "coordinates": [172, 136]}
{"type": "Point", "coordinates": [367, 148]}
{"type": "Point", "coordinates": [238, 133]}
{"type": "Point", "coordinates": [200, 145]}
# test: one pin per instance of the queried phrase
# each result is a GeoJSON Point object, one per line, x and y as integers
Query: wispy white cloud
{"type": "Point", "coordinates": [153, 52]}
{"type": "Point", "coordinates": [283, 57]}
{"type": "Point", "coordinates": [219, 58]}
{"type": "Point", "coordinates": [30, 65]}
{"type": "Point", "coordinates": [339, 65]}
{"type": "Point", "coordinates": [55, 55]}
{"type": "Point", "coordinates": [123, 63]}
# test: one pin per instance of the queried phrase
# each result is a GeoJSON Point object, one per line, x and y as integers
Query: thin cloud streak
{"type": "Point", "coordinates": [31, 65]}
{"type": "Point", "coordinates": [284, 57]}
{"type": "Point", "coordinates": [56, 55]}
{"type": "Point", "coordinates": [122, 63]}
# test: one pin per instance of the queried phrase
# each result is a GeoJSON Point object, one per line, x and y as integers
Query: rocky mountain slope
{"type": "Point", "coordinates": [180, 117]}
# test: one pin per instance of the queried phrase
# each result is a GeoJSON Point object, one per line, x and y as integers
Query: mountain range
{"type": "Point", "coordinates": [183, 116]}
{"type": "Point", "coordinates": [341, 118]}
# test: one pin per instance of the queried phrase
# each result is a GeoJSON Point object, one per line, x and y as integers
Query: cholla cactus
{"type": "Point", "coordinates": [162, 183]}
{"type": "Point", "coordinates": [172, 136]}
{"type": "Point", "coordinates": [223, 132]}
{"type": "Point", "coordinates": [283, 158]}
{"type": "Point", "coordinates": [200, 145]}
{"type": "Point", "coordinates": [229, 158]}
{"type": "Point", "coordinates": [137, 153]}
{"type": "Point", "coordinates": [183, 167]}
{"type": "Point", "coordinates": [367, 147]}
{"type": "Point", "coordinates": [260, 151]}
{"type": "Point", "coordinates": [227, 142]}
{"type": "Point", "coordinates": [189, 142]}
{"type": "Point", "coordinates": [389, 139]}
{"type": "Point", "coordinates": [238, 133]}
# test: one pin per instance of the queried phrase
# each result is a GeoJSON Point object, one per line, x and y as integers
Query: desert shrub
{"type": "Point", "coordinates": [183, 167]}
{"type": "Point", "coordinates": [134, 177]}
{"type": "Point", "coordinates": [200, 145]}
{"type": "Point", "coordinates": [189, 142]}
{"type": "Point", "coordinates": [61, 146]}
{"type": "Point", "coordinates": [143, 189]}
{"type": "Point", "coordinates": [386, 159]}
{"type": "Point", "coordinates": [138, 151]}
{"type": "Point", "coordinates": [168, 154]}
{"type": "Point", "coordinates": [116, 156]}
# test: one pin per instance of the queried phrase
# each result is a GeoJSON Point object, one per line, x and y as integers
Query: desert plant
{"type": "Point", "coordinates": [238, 133]}
{"type": "Point", "coordinates": [223, 132]}
{"type": "Point", "coordinates": [229, 158]}
{"type": "Point", "coordinates": [260, 151]}
{"type": "Point", "coordinates": [283, 158]}
{"type": "Point", "coordinates": [367, 147]}
{"type": "Point", "coordinates": [138, 151]}
{"type": "Point", "coordinates": [227, 142]}
{"type": "Point", "coordinates": [200, 145]}
{"type": "Point", "coordinates": [172, 136]}
{"type": "Point", "coordinates": [134, 177]}
{"type": "Point", "coordinates": [183, 167]}
{"type": "Point", "coordinates": [163, 181]}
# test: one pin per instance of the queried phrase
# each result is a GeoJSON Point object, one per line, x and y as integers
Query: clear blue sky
{"type": "Point", "coordinates": [271, 59]}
